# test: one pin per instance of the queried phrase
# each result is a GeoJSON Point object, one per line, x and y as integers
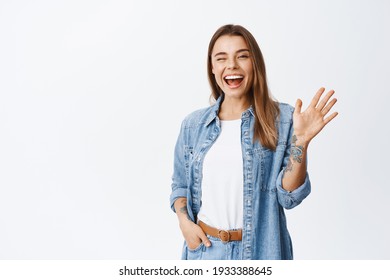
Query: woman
{"type": "Point", "coordinates": [241, 161]}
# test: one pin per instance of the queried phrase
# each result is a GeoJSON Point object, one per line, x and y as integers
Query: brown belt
{"type": "Point", "coordinates": [224, 235]}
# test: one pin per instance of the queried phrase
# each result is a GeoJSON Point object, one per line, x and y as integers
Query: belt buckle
{"type": "Point", "coordinates": [224, 235]}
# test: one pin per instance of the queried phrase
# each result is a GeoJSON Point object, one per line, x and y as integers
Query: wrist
{"type": "Point", "coordinates": [300, 140]}
{"type": "Point", "coordinates": [184, 223]}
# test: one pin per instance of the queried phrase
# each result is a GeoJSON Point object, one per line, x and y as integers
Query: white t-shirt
{"type": "Point", "coordinates": [222, 181]}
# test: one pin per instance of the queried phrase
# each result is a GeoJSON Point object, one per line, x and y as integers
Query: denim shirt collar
{"type": "Point", "coordinates": [215, 109]}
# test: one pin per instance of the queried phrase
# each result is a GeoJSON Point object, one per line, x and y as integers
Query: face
{"type": "Point", "coordinates": [232, 66]}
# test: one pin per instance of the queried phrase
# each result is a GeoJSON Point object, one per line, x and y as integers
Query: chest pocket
{"type": "Point", "coordinates": [262, 163]}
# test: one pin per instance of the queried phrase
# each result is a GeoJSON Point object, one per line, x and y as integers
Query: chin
{"type": "Point", "coordinates": [236, 94]}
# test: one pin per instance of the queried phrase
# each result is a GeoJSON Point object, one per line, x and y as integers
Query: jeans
{"type": "Point", "coordinates": [217, 251]}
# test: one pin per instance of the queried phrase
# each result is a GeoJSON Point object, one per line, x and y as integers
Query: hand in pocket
{"type": "Point", "coordinates": [194, 235]}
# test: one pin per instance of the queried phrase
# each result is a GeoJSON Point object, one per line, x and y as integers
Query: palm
{"type": "Point", "coordinates": [309, 123]}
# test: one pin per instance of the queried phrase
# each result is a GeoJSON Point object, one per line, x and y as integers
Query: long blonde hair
{"type": "Point", "coordinates": [266, 110]}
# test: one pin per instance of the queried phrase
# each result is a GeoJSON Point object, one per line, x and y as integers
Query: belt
{"type": "Point", "coordinates": [224, 235]}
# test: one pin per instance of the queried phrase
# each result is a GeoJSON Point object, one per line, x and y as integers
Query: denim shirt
{"type": "Point", "coordinates": [265, 234]}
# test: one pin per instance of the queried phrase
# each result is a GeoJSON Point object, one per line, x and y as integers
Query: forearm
{"type": "Point", "coordinates": [295, 172]}
{"type": "Point", "coordinates": [181, 209]}
{"type": "Point", "coordinates": [192, 233]}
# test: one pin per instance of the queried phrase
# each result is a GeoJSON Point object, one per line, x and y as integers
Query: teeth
{"type": "Point", "coordinates": [232, 77]}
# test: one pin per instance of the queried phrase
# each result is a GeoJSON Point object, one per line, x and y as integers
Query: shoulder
{"type": "Point", "coordinates": [285, 123]}
{"type": "Point", "coordinates": [285, 112]}
{"type": "Point", "coordinates": [198, 117]}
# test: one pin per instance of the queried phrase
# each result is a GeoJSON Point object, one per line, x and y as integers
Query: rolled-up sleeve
{"type": "Point", "coordinates": [179, 180]}
{"type": "Point", "coordinates": [289, 200]}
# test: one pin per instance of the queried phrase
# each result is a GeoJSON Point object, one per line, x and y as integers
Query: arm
{"type": "Point", "coordinates": [295, 172]}
{"type": "Point", "coordinates": [192, 233]}
{"type": "Point", "coordinates": [307, 125]}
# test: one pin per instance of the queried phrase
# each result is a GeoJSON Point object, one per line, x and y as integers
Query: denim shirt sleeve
{"type": "Point", "coordinates": [288, 199]}
{"type": "Point", "coordinates": [179, 181]}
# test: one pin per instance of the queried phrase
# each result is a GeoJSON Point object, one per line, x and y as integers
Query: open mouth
{"type": "Point", "coordinates": [234, 81]}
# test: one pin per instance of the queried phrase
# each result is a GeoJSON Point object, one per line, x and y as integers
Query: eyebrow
{"type": "Point", "coordinates": [224, 53]}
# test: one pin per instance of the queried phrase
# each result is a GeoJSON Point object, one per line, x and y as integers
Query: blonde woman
{"type": "Point", "coordinates": [241, 161]}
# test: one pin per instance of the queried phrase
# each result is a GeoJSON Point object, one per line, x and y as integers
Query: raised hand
{"type": "Point", "coordinates": [309, 123]}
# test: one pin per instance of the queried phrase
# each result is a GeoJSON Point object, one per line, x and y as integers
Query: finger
{"type": "Point", "coordinates": [298, 106]}
{"type": "Point", "coordinates": [204, 238]}
{"type": "Point", "coordinates": [331, 117]}
{"type": "Point", "coordinates": [193, 244]}
{"type": "Point", "coordinates": [317, 97]}
{"type": "Point", "coordinates": [329, 106]}
{"type": "Point", "coordinates": [325, 100]}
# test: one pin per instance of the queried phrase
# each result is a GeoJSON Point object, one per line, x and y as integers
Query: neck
{"type": "Point", "coordinates": [232, 108]}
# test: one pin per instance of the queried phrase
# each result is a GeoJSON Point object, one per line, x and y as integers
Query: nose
{"type": "Point", "coordinates": [232, 63]}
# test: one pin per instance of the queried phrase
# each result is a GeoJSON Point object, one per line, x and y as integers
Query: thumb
{"type": "Point", "coordinates": [298, 106]}
{"type": "Point", "coordinates": [204, 238]}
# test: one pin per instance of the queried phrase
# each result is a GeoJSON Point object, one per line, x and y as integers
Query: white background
{"type": "Point", "coordinates": [92, 94]}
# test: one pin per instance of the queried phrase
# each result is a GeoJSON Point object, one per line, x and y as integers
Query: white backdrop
{"type": "Point", "coordinates": [92, 94]}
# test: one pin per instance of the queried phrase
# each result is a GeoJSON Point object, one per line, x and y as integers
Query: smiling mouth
{"type": "Point", "coordinates": [234, 81]}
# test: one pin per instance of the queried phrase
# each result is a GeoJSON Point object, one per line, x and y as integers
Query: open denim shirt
{"type": "Point", "coordinates": [265, 234]}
